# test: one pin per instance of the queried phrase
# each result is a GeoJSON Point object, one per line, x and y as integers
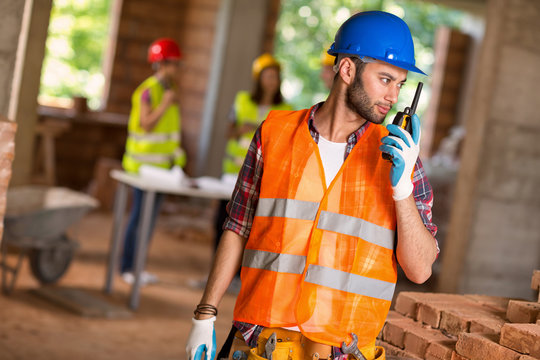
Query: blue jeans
{"type": "Point", "coordinates": [128, 255]}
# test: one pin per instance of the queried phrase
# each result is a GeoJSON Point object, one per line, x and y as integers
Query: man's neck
{"type": "Point", "coordinates": [335, 121]}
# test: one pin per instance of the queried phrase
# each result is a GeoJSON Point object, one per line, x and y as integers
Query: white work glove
{"type": "Point", "coordinates": [202, 339]}
{"type": "Point", "coordinates": [404, 149]}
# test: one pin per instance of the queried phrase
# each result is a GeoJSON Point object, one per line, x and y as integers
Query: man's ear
{"type": "Point", "coordinates": [347, 70]}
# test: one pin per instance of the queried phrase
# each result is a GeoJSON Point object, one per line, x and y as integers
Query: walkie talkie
{"type": "Point", "coordinates": [403, 118]}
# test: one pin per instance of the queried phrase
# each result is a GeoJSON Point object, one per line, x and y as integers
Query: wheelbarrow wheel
{"type": "Point", "coordinates": [49, 264]}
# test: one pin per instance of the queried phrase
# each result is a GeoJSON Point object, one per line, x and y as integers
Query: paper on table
{"type": "Point", "coordinates": [214, 184]}
{"type": "Point", "coordinates": [164, 177]}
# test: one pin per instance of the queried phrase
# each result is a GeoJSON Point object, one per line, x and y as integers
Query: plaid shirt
{"type": "Point", "coordinates": [241, 208]}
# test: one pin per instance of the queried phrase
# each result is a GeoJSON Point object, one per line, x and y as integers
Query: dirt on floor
{"type": "Point", "coordinates": [181, 251]}
{"type": "Point", "coordinates": [180, 254]}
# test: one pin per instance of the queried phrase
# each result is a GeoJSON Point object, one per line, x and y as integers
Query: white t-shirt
{"type": "Point", "coordinates": [332, 156]}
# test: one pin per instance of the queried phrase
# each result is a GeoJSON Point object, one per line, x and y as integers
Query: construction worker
{"type": "Point", "coordinates": [327, 69]}
{"type": "Point", "coordinates": [319, 220]}
{"type": "Point", "coordinates": [153, 137]}
{"type": "Point", "coordinates": [247, 113]}
{"type": "Point", "coordinates": [250, 109]}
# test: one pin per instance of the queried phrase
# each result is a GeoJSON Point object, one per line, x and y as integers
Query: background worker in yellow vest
{"type": "Point", "coordinates": [319, 220]}
{"type": "Point", "coordinates": [247, 113]}
{"type": "Point", "coordinates": [153, 137]}
{"type": "Point", "coordinates": [327, 73]}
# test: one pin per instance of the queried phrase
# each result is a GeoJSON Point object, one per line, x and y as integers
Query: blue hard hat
{"type": "Point", "coordinates": [379, 35]}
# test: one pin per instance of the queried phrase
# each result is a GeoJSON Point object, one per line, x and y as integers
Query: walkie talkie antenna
{"type": "Point", "coordinates": [416, 98]}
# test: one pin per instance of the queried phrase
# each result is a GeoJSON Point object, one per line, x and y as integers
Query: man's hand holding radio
{"type": "Point", "coordinates": [404, 149]}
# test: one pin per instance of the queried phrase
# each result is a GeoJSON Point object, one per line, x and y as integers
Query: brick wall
{"type": "Point", "coordinates": [192, 23]}
{"type": "Point", "coordinates": [447, 81]}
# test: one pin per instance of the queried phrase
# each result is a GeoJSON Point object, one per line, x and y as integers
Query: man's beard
{"type": "Point", "coordinates": [358, 101]}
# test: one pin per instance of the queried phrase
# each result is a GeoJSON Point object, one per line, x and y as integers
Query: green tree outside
{"type": "Point", "coordinates": [76, 44]}
{"type": "Point", "coordinates": [306, 28]}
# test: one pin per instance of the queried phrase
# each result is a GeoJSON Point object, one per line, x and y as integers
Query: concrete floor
{"type": "Point", "coordinates": [181, 251]}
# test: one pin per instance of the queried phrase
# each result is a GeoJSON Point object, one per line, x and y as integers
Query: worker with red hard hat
{"type": "Point", "coordinates": [319, 220]}
{"type": "Point", "coordinates": [154, 135]}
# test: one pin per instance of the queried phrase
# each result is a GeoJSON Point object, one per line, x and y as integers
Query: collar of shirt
{"type": "Point", "coordinates": [351, 140]}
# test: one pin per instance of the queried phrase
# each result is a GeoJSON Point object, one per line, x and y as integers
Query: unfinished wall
{"type": "Point", "coordinates": [447, 82]}
{"type": "Point", "coordinates": [494, 237]}
{"type": "Point", "coordinates": [192, 24]}
{"type": "Point", "coordinates": [92, 137]}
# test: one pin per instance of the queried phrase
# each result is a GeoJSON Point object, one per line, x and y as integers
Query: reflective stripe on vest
{"type": "Point", "coordinates": [247, 112]}
{"type": "Point", "coordinates": [357, 227]}
{"type": "Point", "coordinates": [151, 158]}
{"type": "Point", "coordinates": [155, 138]}
{"type": "Point", "coordinates": [351, 283]}
{"type": "Point", "coordinates": [307, 210]}
{"type": "Point", "coordinates": [266, 260]}
{"type": "Point", "coordinates": [320, 275]}
{"type": "Point", "coordinates": [319, 256]}
{"type": "Point", "coordinates": [290, 208]}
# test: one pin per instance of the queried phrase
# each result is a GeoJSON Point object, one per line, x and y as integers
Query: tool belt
{"type": "Point", "coordinates": [291, 345]}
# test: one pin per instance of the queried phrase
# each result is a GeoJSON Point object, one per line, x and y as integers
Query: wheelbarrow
{"type": "Point", "coordinates": [35, 223]}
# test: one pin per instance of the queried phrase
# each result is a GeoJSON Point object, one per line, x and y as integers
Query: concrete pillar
{"type": "Point", "coordinates": [11, 14]}
{"type": "Point", "coordinates": [23, 103]}
{"type": "Point", "coordinates": [239, 40]}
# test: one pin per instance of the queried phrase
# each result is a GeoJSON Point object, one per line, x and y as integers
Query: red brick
{"type": "Point", "coordinates": [395, 327]}
{"type": "Point", "coordinates": [522, 311]}
{"type": "Point", "coordinates": [394, 351]}
{"type": "Point", "coordinates": [486, 326]}
{"type": "Point", "coordinates": [440, 350]}
{"type": "Point", "coordinates": [430, 313]}
{"type": "Point", "coordinates": [524, 338]}
{"type": "Point", "coordinates": [407, 301]}
{"type": "Point", "coordinates": [417, 339]}
{"type": "Point", "coordinates": [497, 303]}
{"type": "Point", "coordinates": [457, 320]}
{"type": "Point", "coordinates": [483, 347]}
{"type": "Point", "coordinates": [456, 356]}
{"type": "Point", "coordinates": [535, 280]}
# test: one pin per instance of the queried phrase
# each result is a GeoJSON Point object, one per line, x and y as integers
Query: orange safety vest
{"type": "Point", "coordinates": [320, 257]}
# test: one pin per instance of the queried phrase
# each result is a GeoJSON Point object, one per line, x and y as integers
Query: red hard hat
{"type": "Point", "coordinates": [164, 49]}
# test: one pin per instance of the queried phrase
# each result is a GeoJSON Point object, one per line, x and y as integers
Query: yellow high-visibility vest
{"type": "Point", "coordinates": [159, 147]}
{"type": "Point", "coordinates": [246, 113]}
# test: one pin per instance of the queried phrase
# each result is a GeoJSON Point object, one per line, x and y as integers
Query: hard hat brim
{"type": "Point", "coordinates": [400, 64]}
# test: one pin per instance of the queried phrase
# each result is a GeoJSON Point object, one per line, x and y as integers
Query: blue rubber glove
{"type": "Point", "coordinates": [202, 339]}
{"type": "Point", "coordinates": [404, 149]}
